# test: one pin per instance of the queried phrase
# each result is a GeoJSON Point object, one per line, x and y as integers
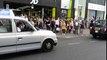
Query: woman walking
{"type": "Point", "coordinates": [81, 26]}
{"type": "Point", "coordinates": [63, 26]}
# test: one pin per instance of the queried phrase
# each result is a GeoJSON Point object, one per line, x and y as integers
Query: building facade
{"type": "Point", "coordinates": [96, 9]}
{"type": "Point", "coordinates": [67, 9]}
{"type": "Point", "coordinates": [43, 8]}
{"type": "Point", "coordinates": [80, 8]}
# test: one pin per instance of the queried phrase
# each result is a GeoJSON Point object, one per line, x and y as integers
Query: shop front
{"type": "Point", "coordinates": [42, 8]}
{"type": "Point", "coordinates": [95, 10]}
{"type": "Point", "coordinates": [67, 9]}
{"type": "Point", "coordinates": [80, 9]}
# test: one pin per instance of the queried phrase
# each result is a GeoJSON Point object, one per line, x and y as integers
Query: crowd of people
{"type": "Point", "coordinates": [58, 25]}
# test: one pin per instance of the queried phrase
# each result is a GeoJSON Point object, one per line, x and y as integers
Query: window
{"type": "Point", "coordinates": [23, 26]}
{"type": "Point", "coordinates": [5, 26]}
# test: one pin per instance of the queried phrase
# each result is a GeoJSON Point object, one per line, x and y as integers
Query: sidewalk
{"type": "Point", "coordinates": [70, 35]}
{"type": "Point", "coordinates": [86, 31]}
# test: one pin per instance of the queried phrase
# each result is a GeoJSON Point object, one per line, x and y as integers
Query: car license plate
{"type": "Point", "coordinates": [96, 31]}
{"type": "Point", "coordinates": [96, 28]}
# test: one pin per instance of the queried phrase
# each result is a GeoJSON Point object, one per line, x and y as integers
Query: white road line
{"type": "Point", "coordinates": [69, 36]}
{"type": "Point", "coordinates": [92, 41]}
{"type": "Point", "coordinates": [74, 43]}
{"type": "Point", "coordinates": [84, 35]}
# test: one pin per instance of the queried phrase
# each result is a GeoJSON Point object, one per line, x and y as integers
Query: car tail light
{"type": "Point", "coordinates": [90, 28]}
{"type": "Point", "coordinates": [105, 29]}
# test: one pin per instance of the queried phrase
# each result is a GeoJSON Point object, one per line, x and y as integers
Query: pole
{"type": "Point", "coordinates": [105, 10]}
{"type": "Point", "coordinates": [42, 13]}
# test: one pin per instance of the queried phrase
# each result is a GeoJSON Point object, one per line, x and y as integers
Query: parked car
{"type": "Point", "coordinates": [17, 34]}
{"type": "Point", "coordinates": [99, 29]}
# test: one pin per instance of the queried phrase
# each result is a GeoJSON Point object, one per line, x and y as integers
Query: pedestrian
{"type": "Point", "coordinates": [63, 27]}
{"type": "Point", "coordinates": [76, 27]}
{"type": "Point", "coordinates": [26, 16]}
{"type": "Point", "coordinates": [68, 28]}
{"type": "Point", "coordinates": [82, 26]}
{"type": "Point", "coordinates": [31, 20]}
{"type": "Point", "coordinates": [48, 23]}
{"type": "Point", "coordinates": [71, 23]}
{"type": "Point", "coordinates": [20, 26]}
{"type": "Point", "coordinates": [91, 24]}
{"type": "Point", "coordinates": [40, 23]}
{"type": "Point", "coordinates": [52, 24]}
{"type": "Point", "coordinates": [57, 29]}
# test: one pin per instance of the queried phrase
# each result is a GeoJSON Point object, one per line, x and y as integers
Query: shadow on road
{"type": "Point", "coordinates": [98, 39]}
{"type": "Point", "coordinates": [20, 54]}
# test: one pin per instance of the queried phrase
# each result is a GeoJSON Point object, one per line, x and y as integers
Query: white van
{"type": "Point", "coordinates": [17, 34]}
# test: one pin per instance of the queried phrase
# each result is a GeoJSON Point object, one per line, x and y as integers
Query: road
{"type": "Point", "coordinates": [70, 47]}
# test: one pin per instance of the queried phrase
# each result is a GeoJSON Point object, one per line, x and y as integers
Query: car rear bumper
{"type": "Point", "coordinates": [99, 33]}
{"type": "Point", "coordinates": [93, 32]}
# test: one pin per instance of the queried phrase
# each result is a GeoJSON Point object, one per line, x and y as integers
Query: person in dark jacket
{"type": "Point", "coordinates": [52, 24]}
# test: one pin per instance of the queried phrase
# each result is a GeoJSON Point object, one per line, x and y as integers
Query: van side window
{"type": "Point", "coordinates": [5, 26]}
{"type": "Point", "coordinates": [23, 26]}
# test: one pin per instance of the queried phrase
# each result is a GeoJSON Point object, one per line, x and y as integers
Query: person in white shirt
{"type": "Point", "coordinates": [57, 22]}
{"type": "Point", "coordinates": [57, 25]}
{"type": "Point", "coordinates": [20, 26]}
{"type": "Point", "coordinates": [76, 26]}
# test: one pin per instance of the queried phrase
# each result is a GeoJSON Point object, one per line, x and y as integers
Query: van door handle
{"type": "Point", "coordinates": [20, 38]}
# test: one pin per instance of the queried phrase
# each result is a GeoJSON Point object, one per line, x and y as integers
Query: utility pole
{"type": "Point", "coordinates": [105, 10]}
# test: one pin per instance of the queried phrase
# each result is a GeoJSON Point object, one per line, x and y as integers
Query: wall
{"type": "Point", "coordinates": [97, 7]}
{"type": "Point", "coordinates": [41, 2]}
{"type": "Point", "coordinates": [80, 8]}
{"type": "Point", "coordinates": [99, 10]}
{"type": "Point", "coordinates": [100, 14]}
{"type": "Point", "coordinates": [100, 2]}
{"type": "Point", "coordinates": [83, 4]}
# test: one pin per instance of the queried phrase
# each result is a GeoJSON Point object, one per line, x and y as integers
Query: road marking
{"type": "Point", "coordinates": [74, 43]}
{"type": "Point", "coordinates": [69, 36]}
{"type": "Point", "coordinates": [92, 41]}
{"type": "Point", "coordinates": [82, 35]}
{"type": "Point", "coordinates": [85, 35]}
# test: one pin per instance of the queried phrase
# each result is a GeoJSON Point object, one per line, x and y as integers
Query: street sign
{"type": "Point", "coordinates": [4, 12]}
{"type": "Point", "coordinates": [34, 2]}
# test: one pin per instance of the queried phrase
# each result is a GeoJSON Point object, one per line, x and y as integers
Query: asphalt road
{"type": "Point", "coordinates": [70, 47]}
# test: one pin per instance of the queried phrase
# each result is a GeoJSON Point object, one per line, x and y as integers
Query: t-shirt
{"type": "Point", "coordinates": [18, 29]}
{"type": "Point", "coordinates": [76, 23]}
{"type": "Point", "coordinates": [57, 22]}
{"type": "Point", "coordinates": [63, 25]}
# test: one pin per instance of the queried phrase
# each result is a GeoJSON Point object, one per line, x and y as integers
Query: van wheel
{"type": "Point", "coordinates": [47, 45]}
